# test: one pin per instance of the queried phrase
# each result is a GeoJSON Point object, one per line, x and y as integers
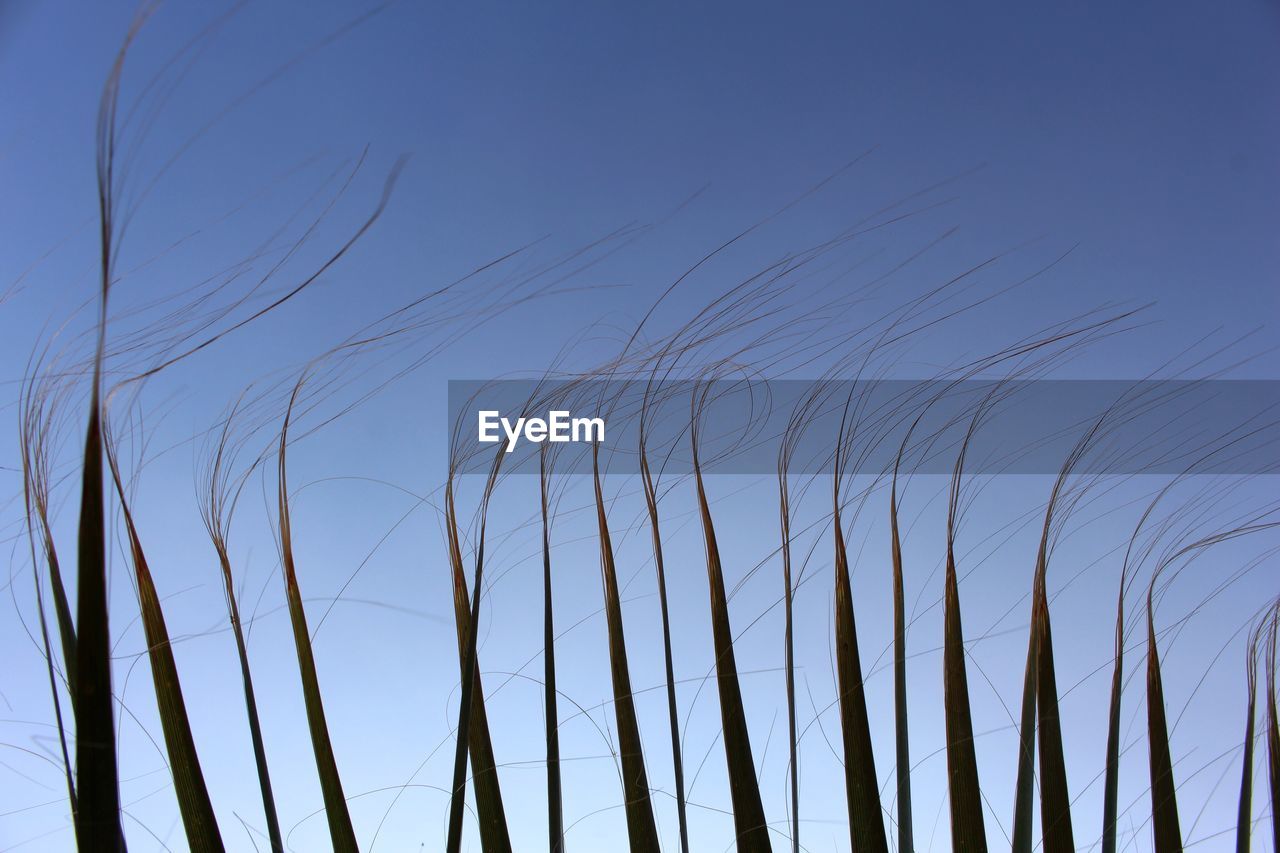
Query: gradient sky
{"type": "Point", "coordinates": [1135, 135]}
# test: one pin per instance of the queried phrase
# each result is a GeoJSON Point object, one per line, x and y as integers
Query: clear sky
{"type": "Point", "coordinates": [1137, 136]}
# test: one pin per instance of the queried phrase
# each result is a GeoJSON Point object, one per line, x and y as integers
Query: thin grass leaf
{"type": "Point", "coordinates": [866, 827]}
{"type": "Point", "coordinates": [98, 817]}
{"type": "Point", "coordinates": [59, 721]}
{"type": "Point", "coordinates": [901, 732]}
{"type": "Point", "coordinates": [1244, 813]}
{"type": "Point", "coordinates": [677, 760]}
{"type": "Point", "coordinates": [1164, 797]}
{"type": "Point", "coordinates": [62, 610]}
{"type": "Point", "coordinates": [1040, 693]}
{"type": "Point", "coordinates": [341, 832]}
{"type": "Point", "coordinates": [98, 826]}
{"type": "Point", "coordinates": [194, 804]}
{"type": "Point", "coordinates": [1055, 798]}
{"type": "Point", "coordinates": [35, 494]}
{"type": "Point", "coordinates": [1164, 804]}
{"type": "Point", "coordinates": [789, 662]}
{"type": "Point", "coordinates": [494, 837]}
{"type": "Point", "coordinates": [471, 699]}
{"type": "Point", "coordinates": [642, 831]}
{"type": "Point", "coordinates": [36, 499]}
{"type": "Point", "coordinates": [555, 803]}
{"type": "Point", "coordinates": [752, 831]}
{"type": "Point", "coordinates": [1273, 735]}
{"type": "Point", "coordinates": [968, 833]}
{"type": "Point", "coordinates": [251, 710]}
{"type": "Point", "coordinates": [217, 510]}
{"type": "Point", "coordinates": [1111, 772]}
{"type": "Point", "coordinates": [1024, 784]}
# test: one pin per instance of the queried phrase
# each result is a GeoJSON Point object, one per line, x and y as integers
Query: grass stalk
{"type": "Point", "coordinates": [194, 804]}
{"type": "Point", "coordinates": [494, 837]}
{"type": "Point", "coordinates": [555, 804]}
{"type": "Point", "coordinates": [642, 830]}
{"type": "Point", "coordinates": [341, 832]}
{"type": "Point", "coordinates": [751, 829]}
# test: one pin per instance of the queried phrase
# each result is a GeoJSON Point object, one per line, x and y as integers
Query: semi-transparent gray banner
{"type": "Point", "coordinates": [867, 426]}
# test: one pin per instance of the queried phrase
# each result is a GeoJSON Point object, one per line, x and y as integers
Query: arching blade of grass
{"type": "Point", "coordinates": [1273, 735]}
{"type": "Point", "coordinates": [341, 832]}
{"type": "Point", "coordinates": [251, 709]}
{"type": "Point", "coordinates": [34, 433]}
{"type": "Point", "coordinates": [1040, 692]}
{"type": "Point", "coordinates": [555, 804]}
{"type": "Point", "coordinates": [36, 478]}
{"type": "Point", "coordinates": [789, 660]}
{"type": "Point", "coordinates": [968, 832]}
{"type": "Point", "coordinates": [1040, 697]}
{"type": "Point", "coordinates": [748, 811]}
{"type": "Point", "coordinates": [642, 831]}
{"type": "Point", "coordinates": [866, 827]}
{"type": "Point", "coordinates": [217, 509]}
{"type": "Point", "coordinates": [901, 730]}
{"type": "Point", "coordinates": [98, 825]}
{"type": "Point", "coordinates": [677, 760]}
{"type": "Point", "coordinates": [62, 610]}
{"type": "Point", "coordinates": [98, 817]}
{"type": "Point", "coordinates": [1164, 804]}
{"type": "Point", "coordinates": [59, 721]}
{"type": "Point", "coordinates": [1055, 799]}
{"type": "Point", "coordinates": [188, 780]}
{"type": "Point", "coordinates": [493, 829]}
{"type": "Point", "coordinates": [1244, 814]}
{"type": "Point", "coordinates": [1024, 784]}
{"type": "Point", "coordinates": [1164, 798]}
{"type": "Point", "coordinates": [1111, 771]}
{"type": "Point", "coordinates": [494, 837]}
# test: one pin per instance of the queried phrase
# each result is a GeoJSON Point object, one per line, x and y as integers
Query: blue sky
{"type": "Point", "coordinates": [1139, 136]}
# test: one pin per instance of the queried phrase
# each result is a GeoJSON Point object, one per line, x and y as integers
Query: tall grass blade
{"type": "Point", "coordinates": [901, 731]}
{"type": "Point", "coordinates": [642, 831]}
{"type": "Point", "coordinates": [866, 826]}
{"type": "Point", "coordinates": [98, 825]}
{"type": "Point", "coordinates": [494, 837]}
{"type": "Point", "coordinates": [251, 710]}
{"type": "Point", "coordinates": [1111, 771]}
{"type": "Point", "coordinates": [1244, 814]}
{"type": "Point", "coordinates": [1273, 736]}
{"type": "Point", "coordinates": [59, 721]}
{"type": "Point", "coordinates": [789, 661]}
{"type": "Point", "coordinates": [62, 612]}
{"type": "Point", "coordinates": [748, 811]}
{"type": "Point", "coordinates": [677, 760]}
{"type": "Point", "coordinates": [968, 832]}
{"type": "Point", "coordinates": [1164, 798]}
{"type": "Point", "coordinates": [1055, 799]}
{"type": "Point", "coordinates": [36, 496]}
{"type": "Point", "coordinates": [35, 493]}
{"type": "Point", "coordinates": [555, 804]}
{"type": "Point", "coordinates": [217, 510]}
{"type": "Point", "coordinates": [188, 780]}
{"type": "Point", "coordinates": [1040, 693]}
{"type": "Point", "coordinates": [341, 832]}
{"type": "Point", "coordinates": [471, 699]}
{"type": "Point", "coordinates": [1024, 784]}
{"type": "Point", "coordinates": [98, 817]}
